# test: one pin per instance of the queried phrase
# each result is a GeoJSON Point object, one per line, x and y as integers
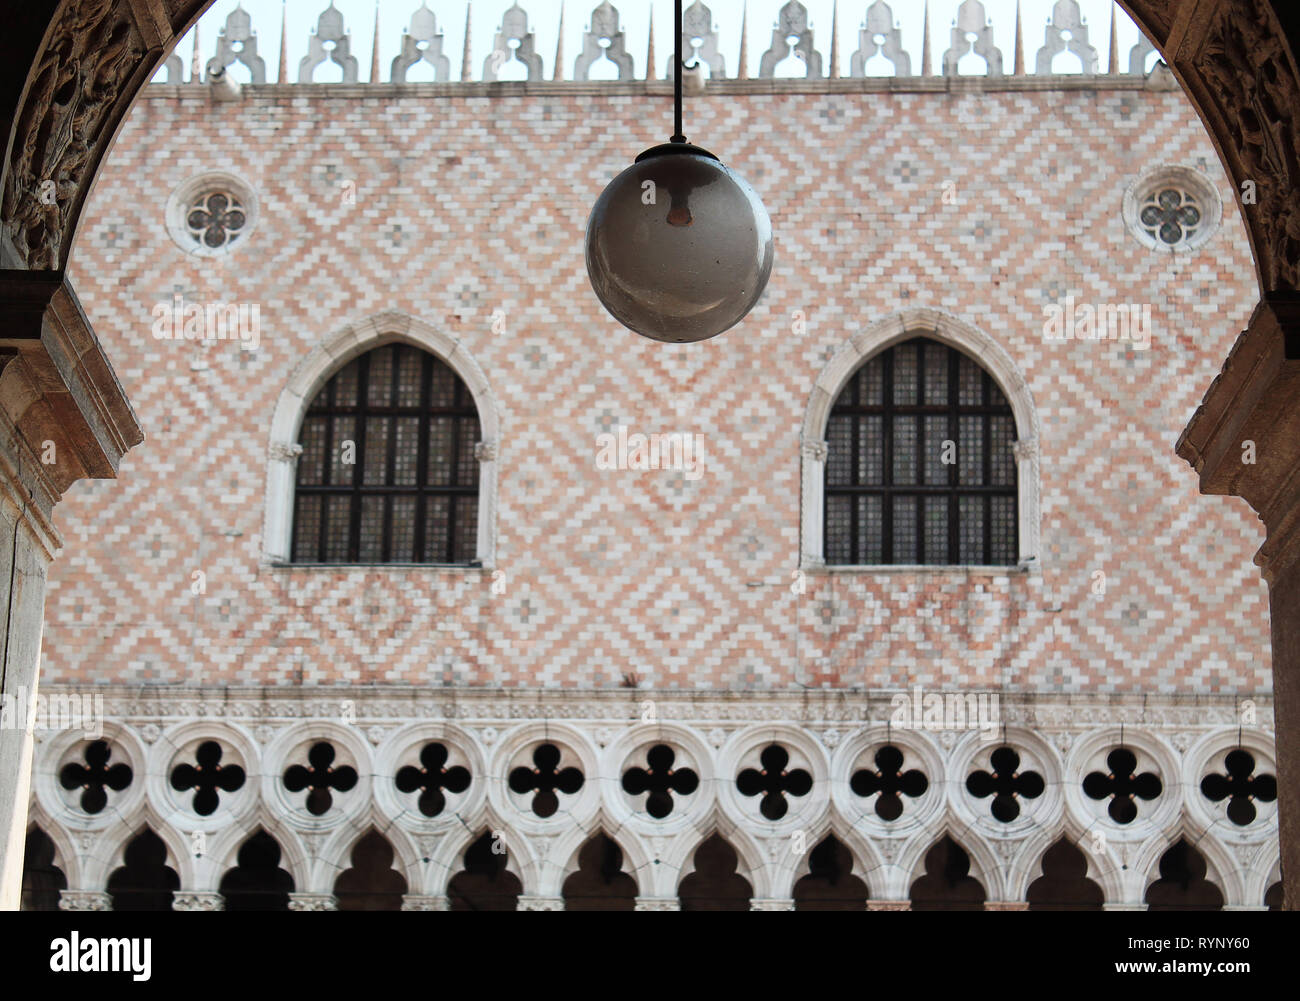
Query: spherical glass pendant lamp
{"type": "Point", "coordinates": [679, 247]}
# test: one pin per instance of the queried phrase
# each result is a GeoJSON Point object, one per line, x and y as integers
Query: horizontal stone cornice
{"type": "Point", "coordinates": [1042, 711]}
{"type": "Point", "coordinates": [1161, 81]}
{"type": "Point", "coordinates": [58, 391]}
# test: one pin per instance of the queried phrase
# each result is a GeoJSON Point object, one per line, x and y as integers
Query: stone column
{"type": "Point", "coordinates": [63, 417]}
{"type": "Point", "coordinates": [1244, 441]}
{"type": "Point", "coordinates": [1006, 905]}
{"type": "Point", "coordinates": [889, 905]}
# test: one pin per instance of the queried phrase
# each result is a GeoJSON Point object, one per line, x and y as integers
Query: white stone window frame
{"type": "Point", "coordinates": [1186, 179]}
{"type": "Point", "coordinates": [182, 200]}
{"type": "Point", "coordinates": [993, 358]}
{"type": "Point", "coordinates": [311, 374]}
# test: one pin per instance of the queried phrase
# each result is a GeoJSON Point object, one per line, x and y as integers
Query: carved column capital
{"type": "Point", "coordinates": [815, 450]}
{"type": "Point", "coordinates": [485, 451]}
{"type": "Point", "coordinates": [84, 900]}
{"type": "Point", "coordinates": [889, 905]}
{"type": "Point", "coordinates": [416, 902]}
{"type": "Point", "coordinates": [313, 902]}
{"type": "Point", "coordinates": [1025, 449]}
{"type": "Point", "coordinates": [771, 904]}
{"type": "Point", "coordinates": [658, 904]}
{"type": "Point", "coordinates": [284, 451]}
{"type": "Point", "coordinates": [194, 900]}
{"type": "Point", "coordinates": [57, 389]}
{"type": "Point", "coordinates": [529, 903]}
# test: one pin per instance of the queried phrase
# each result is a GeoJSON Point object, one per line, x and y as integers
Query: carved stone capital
{"type": "Point", "coordinates": [815, 450]}
{"type": "Point", "coordinates": [63, 413]}
{"type": "Point", "coordinates": [658, 904]}
{"type": "Point", "coordinates": [771, 904]}
{"type": "Point", "coordinates": [187, 900]}
{"type": "Point", "coordinates": [284, 452]}
{"type": "Point", "coordinates": [84, 900]}
{"type": "Point", "coordinates": [1025, 448]}
{"type": "Point", "coordinates": [889, 905]}
{"type": "Point", "coordinates": [1006, 905]}
{"type": "Point", "coordinates": [527, 903]}
{"type": "Point", "coordinates": [485, 451]}
{"type": "Point", "coordinates": [416, 902]}
{"type": "Point", "coordinates": [313, 902]}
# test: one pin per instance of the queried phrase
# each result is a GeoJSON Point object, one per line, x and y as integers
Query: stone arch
{"type": "Point", "coordinates": [743, 871]}
{"type": "Point", "coordinates": [138, 874]}
{"type": "Point", "coordinates": [867, 862]}
{"type": "Point", "coordinates": [860, 348]}
{"type": "Point", "coordinates": [113, 840]}
{"type": "Point", "coordinates": [294, 858]}
{"type": "Point", "coordinates": [1054, 878]}
{"type": "Point", "coordinates": [984, 866]}
{"type": "Point", "coordinates": [43, 879]}
{"type": "Point", "coordinates": [637, 859]}
{"type": "Point", "coordinates": [1104, 868]}
{"type": "Point", "coordinates": [66, 856]}
{"type": "Point", "coordinates": [679, 860]}
{"type": "Point", "coordinates": [572, 855]}
{"type": "Point", "coordinates": [1220, 869]}
{"type": "Point", "coordinates": [253, 883]}
{"type": "Point", "coordinates": [315, 369]}
{"type": "Point", "coordinates": [522, 865]}
{"type": "Point", "coordinates": [397, 872]}
{"type": "Point", "coordinates": [446, 855]}
{"type": "Point", "coordinates": [1260, 874]}
{"type": "Point", "coordinates": [336, 853]}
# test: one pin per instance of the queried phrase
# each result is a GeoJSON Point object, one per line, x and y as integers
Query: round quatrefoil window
{"type": "Point", "coordinates": [211, 214]}
{"type": "Point", "coordinates": [1172, 208]}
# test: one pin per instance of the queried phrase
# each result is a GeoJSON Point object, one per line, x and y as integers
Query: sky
{"type": "Point", "coordinates": [544, 15]}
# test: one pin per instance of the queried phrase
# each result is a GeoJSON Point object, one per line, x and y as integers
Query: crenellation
{"type": "Point", "coordinates": [423, 40]}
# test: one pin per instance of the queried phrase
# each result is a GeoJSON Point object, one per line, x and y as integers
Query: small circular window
{"type": "Point", "coordinates": [1172, 208]}
{"type": "Point", "coordinates": [211, 214]}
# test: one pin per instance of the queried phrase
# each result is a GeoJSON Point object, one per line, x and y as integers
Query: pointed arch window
{"type": "Point", "coordinates": [920, 463]}
{"type": "Point", "coordinates": [388, 471]}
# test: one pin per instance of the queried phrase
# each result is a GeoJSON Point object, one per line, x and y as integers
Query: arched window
{"type": "Point", "coordinates": [388, 472]}
{"type": "Point", "coordinates": [920, 467]}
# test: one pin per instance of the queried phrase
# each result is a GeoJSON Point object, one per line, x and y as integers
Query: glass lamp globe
{"type": "Point", "coordinates": [679, 247]}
